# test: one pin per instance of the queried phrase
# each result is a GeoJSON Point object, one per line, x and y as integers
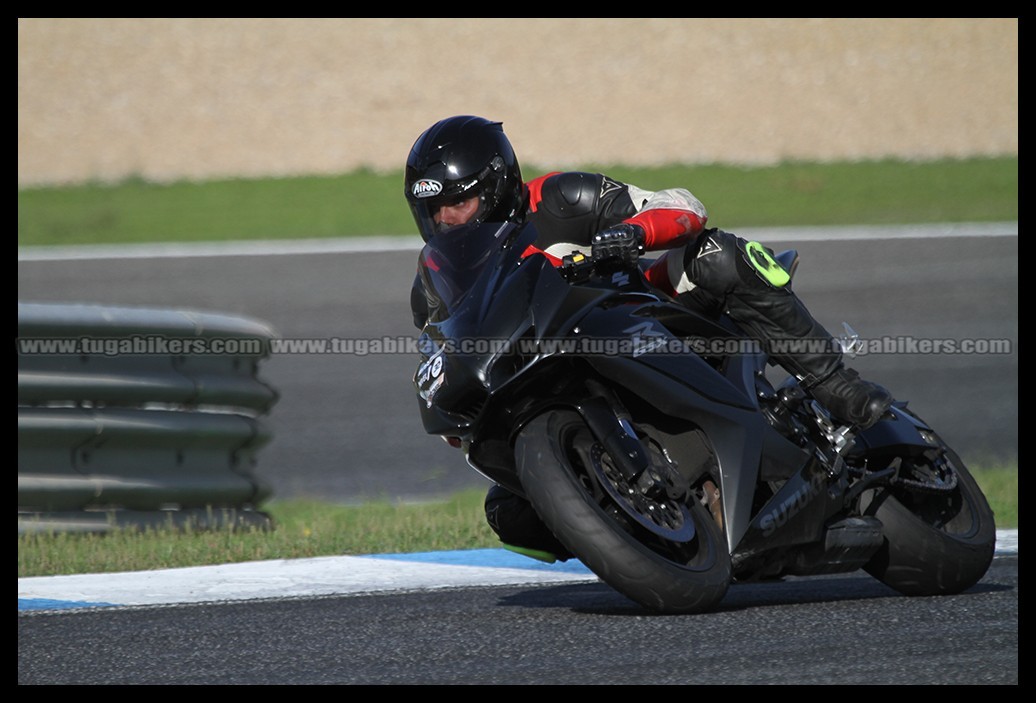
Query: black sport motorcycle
{"type": "Point", "coordinates": [649, 439]}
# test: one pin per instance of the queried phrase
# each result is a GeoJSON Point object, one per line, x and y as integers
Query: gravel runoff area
{"type": "Point", "coordinates": [168, 99]}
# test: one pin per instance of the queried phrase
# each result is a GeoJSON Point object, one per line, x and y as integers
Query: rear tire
{"type": "Point", "coordinates": [553, 454]}
{"type": "Point", "coordinates": [937, 543]}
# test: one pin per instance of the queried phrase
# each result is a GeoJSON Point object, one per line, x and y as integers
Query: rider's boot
{"type": "Point", "coordinates": [758, 297]}
{"type": "Point", "coordinates": [852, 399]}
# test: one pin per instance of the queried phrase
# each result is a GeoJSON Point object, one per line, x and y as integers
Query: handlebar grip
{"type": "Point", "coordinates": [576, 267]}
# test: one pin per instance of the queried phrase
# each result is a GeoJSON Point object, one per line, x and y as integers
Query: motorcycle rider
{"type": "Point", "coordinates": [463, 170]}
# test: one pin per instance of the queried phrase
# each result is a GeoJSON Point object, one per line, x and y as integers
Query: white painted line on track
{"type": "Point", "coordinates": [320, 576]}
{"type": "Point", "coordinates": [821, 233]}
{"type": "Point", "coordinates": [414, 243]}
{"type": "Point", "coordinates": [287, 247]}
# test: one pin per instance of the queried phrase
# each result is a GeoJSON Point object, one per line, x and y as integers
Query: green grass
{"type": "Point", "coordinates": [367, 203]}
{"type": "Point", "coordinates": [309, 529]}
{"type": "Point", "coordinates": [302, 528]}
{"type": "Point", "coordinates": [1000, 486]}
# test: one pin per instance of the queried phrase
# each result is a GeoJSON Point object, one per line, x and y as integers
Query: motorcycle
{"type": "Point", "coordinates": [648, 437]}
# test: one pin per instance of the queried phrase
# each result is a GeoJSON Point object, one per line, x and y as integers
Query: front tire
{"type": "Point", "coordinates": [938, 542]}
{"type": "Point", "coordinates": [553, 454]}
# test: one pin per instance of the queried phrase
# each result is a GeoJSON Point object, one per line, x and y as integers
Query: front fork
{"type": "Point", "coordinates": [610, 423]}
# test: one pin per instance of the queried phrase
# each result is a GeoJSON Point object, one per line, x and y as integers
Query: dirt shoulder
{"type": "Point", "coordinates": [200, 98]}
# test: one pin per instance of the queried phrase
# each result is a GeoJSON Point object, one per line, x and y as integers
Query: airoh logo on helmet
{"type": "Point", "coordinates": [426, 188]}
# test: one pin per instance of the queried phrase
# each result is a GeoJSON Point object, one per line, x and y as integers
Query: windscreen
{"type": "Point", "coordinates": [452, 261]}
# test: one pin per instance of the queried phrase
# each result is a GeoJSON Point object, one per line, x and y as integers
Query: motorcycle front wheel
{"type": "Point", "coordinates": [668, 554]}
{"type": "Point", "coordinates": [939, 531]}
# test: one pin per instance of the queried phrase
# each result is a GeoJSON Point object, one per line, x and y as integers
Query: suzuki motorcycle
{"type": "Point", "coordinates": [650, 440]}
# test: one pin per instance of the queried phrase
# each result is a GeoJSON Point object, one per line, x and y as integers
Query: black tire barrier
{"type": "Point", "coordinates": [139, 417]}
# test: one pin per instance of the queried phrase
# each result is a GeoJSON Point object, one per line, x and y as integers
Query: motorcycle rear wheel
{"type": "Point", "coordinates": [938, 542]}
{"type": "Point", "coordinates": [554, 454]}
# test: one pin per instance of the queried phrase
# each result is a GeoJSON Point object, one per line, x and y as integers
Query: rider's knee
{"type": "Point", "coordinates": [723, 263]}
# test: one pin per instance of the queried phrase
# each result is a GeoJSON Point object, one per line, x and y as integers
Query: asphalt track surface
{"type": "Point", "coordinates": [546, 628]}
{"type": "Point", "coordinates": [346, 429]}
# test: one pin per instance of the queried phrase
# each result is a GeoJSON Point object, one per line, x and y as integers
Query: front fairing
{"type": "Point", "coordinates": [483, 290]}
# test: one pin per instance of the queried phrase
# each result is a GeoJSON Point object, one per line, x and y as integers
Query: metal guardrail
{"type": "Point", "coordinates": [139, 417]}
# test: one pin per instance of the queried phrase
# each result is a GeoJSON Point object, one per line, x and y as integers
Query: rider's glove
{"type": "Point", "coordinates": [622, 243]}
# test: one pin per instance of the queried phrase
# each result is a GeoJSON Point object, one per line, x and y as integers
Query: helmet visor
{"type": "Point", "coordinates": [425, 206]}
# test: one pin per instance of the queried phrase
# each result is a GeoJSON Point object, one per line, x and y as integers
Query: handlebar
{"type": "Point", "coordinates": [576, 267]}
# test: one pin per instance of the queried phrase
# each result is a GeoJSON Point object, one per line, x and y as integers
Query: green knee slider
{"type": "Point", "coordinates": [765, 265]}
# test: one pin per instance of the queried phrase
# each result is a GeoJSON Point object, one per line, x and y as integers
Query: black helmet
{"type": "Point", "coordinates": [457, 158]}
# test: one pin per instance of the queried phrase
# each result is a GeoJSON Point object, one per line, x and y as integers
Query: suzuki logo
{"type": "Point", "coordinates": [791, 505]}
